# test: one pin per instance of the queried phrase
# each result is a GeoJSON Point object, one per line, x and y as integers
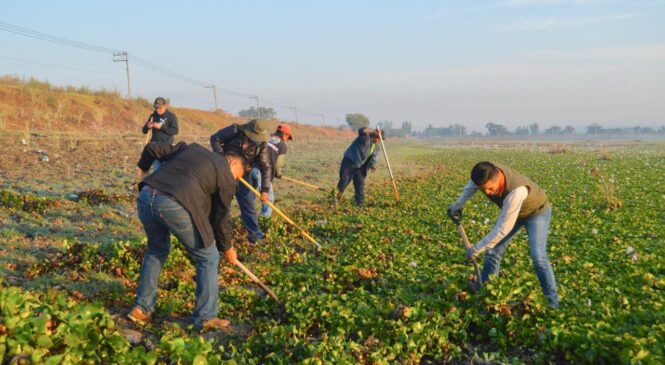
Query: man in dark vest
{"type": "Point", "coordinates": [523, 204]}
{"type": "Point", "coordinates": [359, 157]}
{"type": "Point", "coordinates": [250, 140]}
{"type": "Point", "coordinates": [190, 197]}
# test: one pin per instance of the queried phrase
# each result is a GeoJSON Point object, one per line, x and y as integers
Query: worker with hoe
{"type": "Point", "coordinates": [163, 123]}
{"type": "Point", "coordinates": [277, 150]}
{"type": "Point", "coordinates": [359, 157]}
{"type": "Point", "coordinates": [523, 204]}
{"type": "Point", "coordinates": [190, 197]}
{"type": "Point", "coordinates": [249, 140]}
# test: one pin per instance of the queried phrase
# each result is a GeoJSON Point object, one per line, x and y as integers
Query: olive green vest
{"type": "Point", "coordinates": [536, 200]}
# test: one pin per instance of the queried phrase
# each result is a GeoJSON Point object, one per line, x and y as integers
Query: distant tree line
{"type": "Point", "coordinates": [532, 130]}
{"type": "Point", "coordinates": [453, 130]}
{"type": "Point", "coordinates": [457, 130]}
{"type": "Point", "coordinates": [264, 113]}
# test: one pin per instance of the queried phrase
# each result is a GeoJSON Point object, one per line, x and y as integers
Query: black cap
{"type": "Point", "coordinates": [160, 101]}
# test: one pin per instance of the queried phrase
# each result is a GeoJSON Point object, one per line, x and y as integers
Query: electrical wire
{"type": "Point", "coordinates": [56, 66]}
{"type": "Point", "coordinates": [140, 62]}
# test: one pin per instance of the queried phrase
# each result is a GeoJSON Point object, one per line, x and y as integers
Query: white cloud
{"type": "Point", "coordinates": [536, 24]}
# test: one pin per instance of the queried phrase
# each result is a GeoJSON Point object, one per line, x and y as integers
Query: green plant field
{"type": "Point", "coordinates": [390, 285]}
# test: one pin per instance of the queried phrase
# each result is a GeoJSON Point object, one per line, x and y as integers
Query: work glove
{"type": "Point", "coordinates": [455, 212]}
{"type": "Point", "coordinates": [231, 256]}
{"type": "Point", "coordinates": [471, 253]}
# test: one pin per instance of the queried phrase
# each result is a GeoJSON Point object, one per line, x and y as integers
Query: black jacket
{"type": "Point", "coordinates": [231, 139]}
{"type": "Point", "coordinates": [358, 151]}
{"type": "Point", "coordinates": [200, 180]}
{"type": "Point", "coordinates": [168, 130]}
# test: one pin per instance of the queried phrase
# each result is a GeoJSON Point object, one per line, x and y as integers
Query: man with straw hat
{"type": "Point", "coordinates": [250, 140]}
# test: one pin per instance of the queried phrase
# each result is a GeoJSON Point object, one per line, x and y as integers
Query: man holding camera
{"type": "Point", "coordinates": [162, 122]}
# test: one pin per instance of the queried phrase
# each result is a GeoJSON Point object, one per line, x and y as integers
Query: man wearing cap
{"type": "Point", "coordinates": [361, 156]}
{"type": "Point", "coordinates": [189, 197]}
{"type": "Point", "coordinates": [277, 150]}
{"type": "Point", "coordinates": [163, 122]}
{"type": "Point", "coordinates": [250, 140]}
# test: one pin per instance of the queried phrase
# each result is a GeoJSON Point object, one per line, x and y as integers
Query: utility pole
{"type": "Point", "coordinates": [295, 110]}
{"type": "Point", "coordinates": [214, 94]}
{"type": "Point", "coordinates": [339, 123]}
{"type": "Point", "coordinates": [124, 57]}
{"type": "Point", "coordinates": [323, 116]}
{"type": "Point", "coordinates": [258, 112]}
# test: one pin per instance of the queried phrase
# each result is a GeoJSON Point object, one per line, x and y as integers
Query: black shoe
{"type": "Point", "coordinates": [257, 240]}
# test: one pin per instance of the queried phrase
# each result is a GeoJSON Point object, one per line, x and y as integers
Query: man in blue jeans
{"type": "Point", "coordinates": [189, 196]}
{"type": "Point", "coordinates": [277, 150]}
{"type": "Point", "coordinates": [523, 204]}
{"type": "Point", "coordinates": [359, 157]}
{"type": "Point", "coordinates": [250, 140]}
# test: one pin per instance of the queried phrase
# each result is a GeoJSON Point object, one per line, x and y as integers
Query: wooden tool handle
{"type": "Point", "coordinates": [257, 281]}
{"type": "Point", "coordinates": [467, 245]}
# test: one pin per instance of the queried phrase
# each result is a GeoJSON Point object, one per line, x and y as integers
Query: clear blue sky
{"type": "Point", "coordinates": [430, 62]}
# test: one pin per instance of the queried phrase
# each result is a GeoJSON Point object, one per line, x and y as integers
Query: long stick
{"type": "Point", "coordinates": [301, 183]}
{"type": "Point", "coordinates": [279, 212]}
{"type": "Point", "coordinates": [467, 244]}
{"type": "Point", "coordinates": [257, 281]}
{"type": "Point", "coordinates": [390, 169]}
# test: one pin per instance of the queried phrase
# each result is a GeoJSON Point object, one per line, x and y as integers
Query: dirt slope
{"type": "Point", "coordinates": [38, 107]}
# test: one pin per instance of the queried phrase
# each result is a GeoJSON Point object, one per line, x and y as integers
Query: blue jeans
{"type": "Point", "coordinates": [155, 166]}
{"type": "Point", "coordinates": [247, 202]}
{"type": "Point", "coordinates": [161, 216]}
{"type": "Point", "coordinates": [347, 173]}
{"type": "Point", "coordinates": [537, 229]}
{"type": "Point", "coordinates": [255, 177]}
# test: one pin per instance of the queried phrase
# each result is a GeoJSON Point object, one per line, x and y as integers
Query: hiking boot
{"type": "Point", "coordinates": [215, 324]}
{"type": "Point", "coordinates": [137, 315]}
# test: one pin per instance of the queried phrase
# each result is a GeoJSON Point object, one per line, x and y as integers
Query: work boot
{"type": "Point", "coordinates": [137, 315]}
{"type": "Point", "coordinates": [215, 324]}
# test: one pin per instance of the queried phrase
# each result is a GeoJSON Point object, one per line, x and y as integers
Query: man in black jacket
{"type": "Point", "coordinates": [163, 122]}
{"type": "Point", "coordinates": [189, 196]}
{"type": "Point", "coordinates": [250, 140]}
{"type": "Point", "coordinates": [361, 156]}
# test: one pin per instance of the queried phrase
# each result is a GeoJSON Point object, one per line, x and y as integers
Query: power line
{"type": "Point", "coordinates": [54, 39]}
{"type": "Point", "coordinates": [124, 56]}
{"type": "Point", "coordinates": [163, 71]}
{"type": "Point", "coordinates": [56, 66]}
